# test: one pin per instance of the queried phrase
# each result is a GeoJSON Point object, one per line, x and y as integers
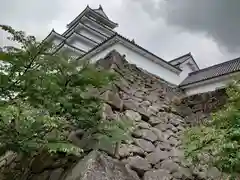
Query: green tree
{"type": "Point", "coordinates": [219, 139]}
{"type": "Point", "coordinates": [45, 95]}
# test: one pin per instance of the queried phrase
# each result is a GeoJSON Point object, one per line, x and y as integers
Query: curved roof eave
{"type": "Point", "coordinates": [161, 61]}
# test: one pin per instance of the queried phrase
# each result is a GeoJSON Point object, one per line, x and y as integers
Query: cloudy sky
{"type": "Point", "coordinates": [209, 29]}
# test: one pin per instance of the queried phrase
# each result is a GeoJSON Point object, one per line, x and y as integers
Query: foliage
{"type": "Point", "coordinates": [219, 140]}
{"type": "Point", "coordinates": [44, 93]}
{"type": "Point", "coordinates": [31, 130]}
{"type": "Point", "coordinates": [113, 132]}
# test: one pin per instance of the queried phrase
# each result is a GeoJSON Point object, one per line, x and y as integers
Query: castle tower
{"type": "Point", "coordinates": [87, 30]}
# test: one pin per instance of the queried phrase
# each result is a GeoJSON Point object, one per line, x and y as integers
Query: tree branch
{"type": "Point", "coordinates": [24, 72]}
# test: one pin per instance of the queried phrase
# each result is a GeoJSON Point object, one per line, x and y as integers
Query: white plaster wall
{"type": "Point", "coordinates": [211, 85]}
{"type": "Point", "coordinates": [208, 87]}
{"type": "Point", "coordinates": [90, 35]}
{"type": "Point", "coordinates": [70, 52]}
{"type": "Point", "coordinates": [81, 44]}
{"type": "Point", "coordinates": [186, 69]}
{"type": "Point", "coordinates": [56, 41]}
{"type": "Point", "coordinates": [141, 61]}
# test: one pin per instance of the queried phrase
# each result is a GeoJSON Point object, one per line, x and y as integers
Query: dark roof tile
{"type": "Point", "coordinates": [101, 12]}
{"type": "Point", "coordinates": [212, 72]}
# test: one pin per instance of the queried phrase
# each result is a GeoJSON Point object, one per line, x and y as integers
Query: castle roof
{"type": "Point", "coordinates": [211, 72]}
{"type": "Point", "coordinates": [101, 12]}
{"type": "Point", "coordinates": [117, 37]}
{"type": "Point", "coordinates": [96, 13]}
{"type": "Point", "coordinates": [180, 60]}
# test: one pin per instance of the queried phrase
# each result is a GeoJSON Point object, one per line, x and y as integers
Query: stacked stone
{"type": "Point", "coordinates": [155, 151]}
{"type": "Point", "coordinates": [43, 167]}
{"type": "Point", "coordinates": [204, 104]}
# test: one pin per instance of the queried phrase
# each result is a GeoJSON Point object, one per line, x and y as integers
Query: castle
{"type": "Point", "coordinates": [91, 35]}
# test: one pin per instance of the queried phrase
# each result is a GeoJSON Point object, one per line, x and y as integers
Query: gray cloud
{"type": "Point", "coordinates": [146, 21]}
{"type": "Point", "coordinates": [29, 16]}
{"type": "Point", "coordinates": [151, 31]}
{"type": "Point", "coordinates": [219, 19]}
{"type": "Point", "coordinates": [38, 17]}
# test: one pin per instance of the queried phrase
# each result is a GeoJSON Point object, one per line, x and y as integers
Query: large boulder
{"type": "Point", "coordinates": [41, 162]}
{"type": "Point", "coordinates": [43, 176]}
{"type": "Point", "coordinates": [145, 134]}
{"type": "Point", "coordinates": [169, 165]}
{"type": "Point", "coordinates": [126, 150]}
{"type": "Point", "coordinates": [147, 146]}
{"type": "Point", "coordinates": [113, 99]}
{"type": "Point", "coordinates": [143, 125]}
{"type": "Point", "coordinates": [107, 112]}
{"type": "Point", "coordinates": [130, 105]}
{"type": "Point", "coordinates": [157, 175]}
{"type": "Point", "coordinates": [139, 164]}
{"type": "Point", "coordinates": [157, 155]}
{"type": "Point", "coordinates": [56, 174]}
{"type": "Point", "coordinates": [101, 167]}
{"type": "Point", "coordinates": [133, 115]}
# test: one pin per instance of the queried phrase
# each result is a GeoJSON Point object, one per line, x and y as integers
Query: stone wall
{"type": "Point", "coordinates": [155, 150]}
{"type": "Point", "coordinates": [203, 105]}
{"type": "Point", "coordinates": [42, 167]}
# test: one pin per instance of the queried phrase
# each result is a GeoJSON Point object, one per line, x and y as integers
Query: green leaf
{"type": "Point", "coordinates": [45, 96]}
{"type": "Point", "coordinates": [220, 137]}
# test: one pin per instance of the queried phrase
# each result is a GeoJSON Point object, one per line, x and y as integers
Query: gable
{"type": "Point", "coordinates": [101, 12]}
{"type": "Point", "coordinates": [95, 14]}
{"type": "Point", "coordinates": [186, 59]}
